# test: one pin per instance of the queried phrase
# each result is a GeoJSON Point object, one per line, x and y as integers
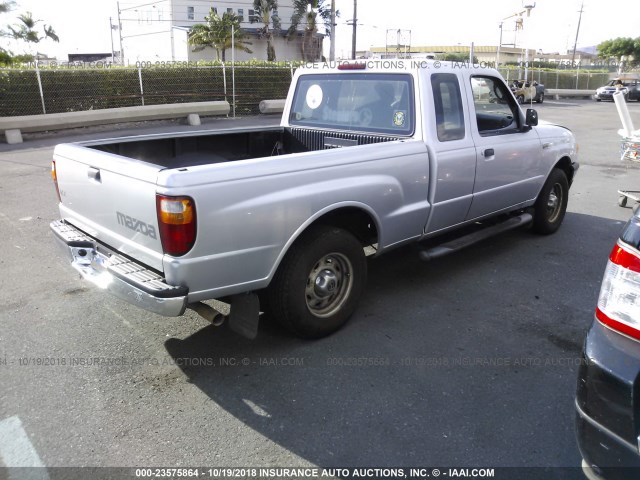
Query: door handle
{"type": "Point", "coordinates": [94, 174]}
{"type": "Point", "coordinates": [489, 152]}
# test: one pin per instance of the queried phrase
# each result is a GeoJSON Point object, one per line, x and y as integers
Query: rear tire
{"type": "Point", "coordinates": [520, 99]}
{"type": "Point", "coordinates": [551, 205]}
{"type": "Point", "coordinates": [319, 282]}
{"type": "Point", "coordinates": [540, 98]}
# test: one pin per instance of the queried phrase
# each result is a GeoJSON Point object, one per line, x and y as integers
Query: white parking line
{"type": "Point", "coordinates": [17, 451]}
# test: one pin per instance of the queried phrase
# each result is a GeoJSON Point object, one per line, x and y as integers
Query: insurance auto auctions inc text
{"type": "Point", "coordinates": [346, 473]}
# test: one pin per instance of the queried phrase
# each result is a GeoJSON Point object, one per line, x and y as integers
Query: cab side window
{"type": "Point", "coordinates": [496, 110]}
{"type": "Point", "coordinates": [448, 107]}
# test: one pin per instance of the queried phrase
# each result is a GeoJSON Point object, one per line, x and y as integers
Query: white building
{"type": "Point", "coordinates": [157, 31]}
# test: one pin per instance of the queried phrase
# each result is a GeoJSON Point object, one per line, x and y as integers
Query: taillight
{"type": "Point", "coordinates": [352, 66]}
{"type": "Point", "coordinates": [54, 177]}
{"type": "Point", "coordinates": [177, 224]}
{"type": "Point", "coordinates": [619, 301]}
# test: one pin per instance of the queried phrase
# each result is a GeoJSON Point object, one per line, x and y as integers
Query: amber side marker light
{"type": "Point", "coordinates": [54, 177]}
{"type": "Point", "coordinates": [176, 223]}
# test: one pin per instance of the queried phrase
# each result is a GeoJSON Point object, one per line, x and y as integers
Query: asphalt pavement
{"type": "Point", "coordinates": [466, 361]}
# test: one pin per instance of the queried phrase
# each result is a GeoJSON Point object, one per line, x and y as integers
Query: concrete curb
{"type": "Point", "coordinates": [271, 106]}
{"type": "Point", "coordinates": [14, 126]}
{"type": "Point", "coordinates": [558, 93]}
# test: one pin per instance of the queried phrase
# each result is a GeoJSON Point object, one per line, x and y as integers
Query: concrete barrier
{"type": "Point", "coordinates": [14, 126]}
{"type": "Point", "coordinates": [271, 106]}
{"type": "Point", "coordinates": [557, 93]}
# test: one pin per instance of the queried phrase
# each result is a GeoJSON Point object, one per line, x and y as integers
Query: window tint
{"type": "Point", "coordinates": [496, 110]}
{"type": "Point", "coordinates": [353, 101]}
{"type": "Point", "coordinates": [448, 106]}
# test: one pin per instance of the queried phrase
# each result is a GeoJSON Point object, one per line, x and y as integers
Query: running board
{"type": "Point", "coordinates": [475, 237]}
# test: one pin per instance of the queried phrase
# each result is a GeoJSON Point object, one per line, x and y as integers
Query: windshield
{"type": "Point", "coordinates": [617, 83]}
{"type": "Point", "coordinates": [359, 102]}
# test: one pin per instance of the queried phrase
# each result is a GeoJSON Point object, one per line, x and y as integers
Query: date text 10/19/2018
{"type": "Point", "coordinates": [315, 472]}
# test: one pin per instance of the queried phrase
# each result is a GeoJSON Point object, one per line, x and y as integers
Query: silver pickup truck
{"type": "Point", "coordinates": [281, 220]}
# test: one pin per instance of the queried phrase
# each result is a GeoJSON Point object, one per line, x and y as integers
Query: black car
{"type": "Point", "coordinates": [608, 393]}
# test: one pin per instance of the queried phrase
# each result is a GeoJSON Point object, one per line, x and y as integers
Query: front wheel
{"type": "Point", "coordinates": [319, 283]}
{"type": "Point", "coordinates": [520, 99]}
{"type": "Point", "coordinates": [540, 98]}
{"type": "Point", "coordinates": [551, 204]}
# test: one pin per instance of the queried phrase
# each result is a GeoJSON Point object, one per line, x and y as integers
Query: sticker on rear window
{"type": "Point", "coordinates": [399, 119]}
{"type": "Point", "coordinates": [314, 96]}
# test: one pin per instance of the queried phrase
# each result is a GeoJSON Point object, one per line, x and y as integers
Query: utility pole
{"type": "Point", "coordinates": [498, 49]}
{"type": "Point", "coordinates": [111, 28]}
{"type": "Point", "coordinates": [575, 45]}
{"type": "Point", "coordinates": [120, 34]}
{"type": "Point", "coordinates": [355, 23]}
{"type": "Point", "coordinates": [332, 47]}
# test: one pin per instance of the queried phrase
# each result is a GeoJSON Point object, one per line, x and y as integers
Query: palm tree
{"type": "Point", "coordinates": [7, 6]}
{"type": "Point", "coordinates": [217, 34]}
{"type": "Point", "coordinates": [265, 10]}
{"type": "Point", "coordinates": [26, 30]}
{"type": "Point", "coordinates": [307, 12]}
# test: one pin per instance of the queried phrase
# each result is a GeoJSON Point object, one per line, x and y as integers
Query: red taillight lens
{"type": "Point", "coordinates": [54, 177]}
{"type": "Point", "coordinates": [177, 224]}
{"type": "Point", "coordinates": [619, 301]}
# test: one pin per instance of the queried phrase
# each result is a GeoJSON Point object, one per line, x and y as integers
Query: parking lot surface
{"type": "Point", "coordinates": [466, 361]}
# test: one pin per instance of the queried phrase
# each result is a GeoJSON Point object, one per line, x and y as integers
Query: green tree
{"type": "Point", "coordinates": [309, 13]}
{"type": "Point", "coordinates": [265, 11]}
{"type": "Point", "coordinates": [620, 47]}
{"type": "Point", "coordinates": [456, 57]}
{"type": "Point", "coordinates": [25, 30]}
{"type": "Point", "coordinates": [6, 57]}
{"type": "Point", "coordinates": [7, 6]}
{"type": "Point", "coordinates": [217, 34]}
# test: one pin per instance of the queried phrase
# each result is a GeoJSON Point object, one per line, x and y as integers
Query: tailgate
{"type": "Point", "coordinates": [111, 198]}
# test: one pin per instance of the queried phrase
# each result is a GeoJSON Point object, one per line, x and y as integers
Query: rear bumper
{"type": "Point", "coordinates": [119, 275]}
{"type": "Point", "coordinates": [607, 411]}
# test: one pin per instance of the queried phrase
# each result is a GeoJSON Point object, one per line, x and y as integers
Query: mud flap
{"type": "Point", "coordinates": [244, 314]}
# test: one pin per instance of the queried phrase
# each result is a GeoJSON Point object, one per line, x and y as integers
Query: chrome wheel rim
{"type": "Point", "coordinates": [329, 284]}
{"type": "Point", "coordinates": [554, 202]}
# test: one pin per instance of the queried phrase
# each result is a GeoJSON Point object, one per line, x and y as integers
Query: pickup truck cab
{"type": "Point", "coordinates": [281, 220]}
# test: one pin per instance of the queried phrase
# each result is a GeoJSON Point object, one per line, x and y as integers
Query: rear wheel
{"type": "Point", "coordinates": [551, 205]}
{"type": "Point", "coordinates": [319, 283]}
{"type": "Point", "coordinates": [540, 97]}
{"type": "Point", "coordinates": [520, 99]}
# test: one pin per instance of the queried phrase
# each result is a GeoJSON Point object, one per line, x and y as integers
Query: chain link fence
{"type": "Point", "coordinates": [33, 91]}
{"type": "Point", "coordinates": [57, 90]}
{"type": "Point", "coordinates": [559, 79]}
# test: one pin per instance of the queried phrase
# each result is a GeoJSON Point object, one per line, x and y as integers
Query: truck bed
{"type": "Point", "coordinates": [217, 147]}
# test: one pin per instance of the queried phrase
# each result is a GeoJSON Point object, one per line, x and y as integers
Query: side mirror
{"type": "Point", "coordinates": [531, 118]}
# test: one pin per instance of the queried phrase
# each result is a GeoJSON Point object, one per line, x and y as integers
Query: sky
{"type": "Point", "coordinates": [83, 25]}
